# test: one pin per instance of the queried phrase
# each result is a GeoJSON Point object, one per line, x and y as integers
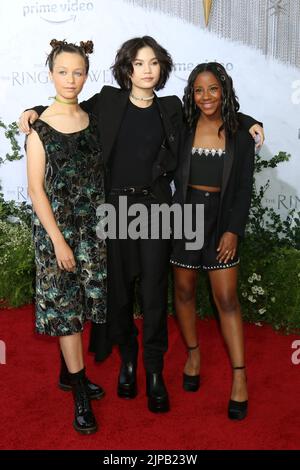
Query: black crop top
{"type": "Point", "coordinates": [206, 167]}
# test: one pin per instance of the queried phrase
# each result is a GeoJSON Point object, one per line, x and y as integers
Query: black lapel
{"type": "Point", "coordinates": [111, 121]}
{"type": "Point", "coordinates": [170, 132]}
{"type": "Point", "coordinates": [228, 161]}
{"type": "Point", "coordinates": [186, 164]}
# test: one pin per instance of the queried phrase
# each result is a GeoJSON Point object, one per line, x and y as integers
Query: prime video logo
{"type": "Point", "coordinates": [183, 69]}
{"type": "Point", "coordinates": [59, 12]}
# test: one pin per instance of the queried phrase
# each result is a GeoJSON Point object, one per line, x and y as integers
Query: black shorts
{"type": "Point", "coordinates": [206, 257]}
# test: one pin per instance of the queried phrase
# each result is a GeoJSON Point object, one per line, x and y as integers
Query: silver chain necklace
{"type": "Point", "coordinates": [142, 98]}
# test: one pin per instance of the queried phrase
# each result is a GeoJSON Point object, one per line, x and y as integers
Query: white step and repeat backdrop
{"type": "Point", "coordinates": [257, 40]}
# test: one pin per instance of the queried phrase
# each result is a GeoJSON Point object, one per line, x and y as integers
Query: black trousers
{"type": "Point", "coordinates": [145, 261]}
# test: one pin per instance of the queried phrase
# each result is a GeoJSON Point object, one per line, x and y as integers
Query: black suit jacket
{"type": "Point", "coordinates": [110, 105]}
{"type": "Point", "coordinates": [237, 179]}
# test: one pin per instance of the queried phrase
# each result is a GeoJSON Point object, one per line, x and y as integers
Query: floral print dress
{"type": "Point", "coordinates": [74, 184]}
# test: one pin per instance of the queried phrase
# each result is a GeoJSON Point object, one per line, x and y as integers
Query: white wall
{"type": "Point", "coordinates": [267, 89]}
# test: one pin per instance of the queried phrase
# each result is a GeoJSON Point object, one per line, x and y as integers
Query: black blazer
{"type": "Point", "coordinates": [110, 105]}
{"type": "Point", "coordinates": [237, 179]}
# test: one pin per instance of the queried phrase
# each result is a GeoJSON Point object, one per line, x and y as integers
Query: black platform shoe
{"type": "Point", "coordinates": [158, 399]}
{"type": "Point", "coordinates": [84, 419]}
{"type": "Point", "coordinates": [191, 383]}
{"type": "Point", "coordinates": [127, 387]}
{"type": "Point", "coordinates": [95, 392]}
{"type": "Point", "coordinates": [237, 409]}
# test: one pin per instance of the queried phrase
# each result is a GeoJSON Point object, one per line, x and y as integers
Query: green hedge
{"type": "Point", "coordinates": [16, 251]}
{"type": "Point", "coordinates": [269, 287]}
{"type": "Point", "coordinates": [16, 264]}
{"type": "Point", "coordinates": [269, 280]}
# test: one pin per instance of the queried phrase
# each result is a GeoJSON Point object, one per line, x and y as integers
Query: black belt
{"type": "Point", "coordinates": [141, 191]}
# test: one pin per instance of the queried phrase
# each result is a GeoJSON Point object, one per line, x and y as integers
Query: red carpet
{"type": "Point", "coordinates": [36, 415]}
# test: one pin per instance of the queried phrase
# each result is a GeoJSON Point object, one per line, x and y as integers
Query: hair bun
{"type": "Point", "coordinates": [87, 46]}
{"type": "Point", "coordinates": [55, 43]}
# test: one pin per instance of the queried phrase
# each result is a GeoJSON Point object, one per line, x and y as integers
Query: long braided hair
{"type": "Point", "coordinates": [230, 104]}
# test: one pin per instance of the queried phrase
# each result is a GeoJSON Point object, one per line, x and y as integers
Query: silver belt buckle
{"type": "Point", "coordinates": [131, 190]}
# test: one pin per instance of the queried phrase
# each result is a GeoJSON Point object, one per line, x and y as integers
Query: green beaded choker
{"type": "Point", "coordinates": [65, 102]}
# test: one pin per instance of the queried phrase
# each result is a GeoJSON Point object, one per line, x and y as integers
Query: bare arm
{"type": "Point", "coordinates": [40, 201]}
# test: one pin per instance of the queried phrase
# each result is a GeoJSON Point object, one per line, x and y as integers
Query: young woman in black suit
{"type": "Point", "coordinates": [140, 135]}
{"type": "Point", "coordinates": [217, 171]}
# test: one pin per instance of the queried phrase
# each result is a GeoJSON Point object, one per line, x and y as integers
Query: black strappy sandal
{"type": "Point", "coordinates": [191, 383]}
{"type": "Point", "coordinates": [237, 409]}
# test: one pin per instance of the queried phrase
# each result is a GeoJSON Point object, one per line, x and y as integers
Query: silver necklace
{"type": "Point", "coordinates": [142, 98]}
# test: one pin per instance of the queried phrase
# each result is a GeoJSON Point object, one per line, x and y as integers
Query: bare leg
{"type": "Point", "coordinates": [224, 287]}
{"type": "Point", "coordinates": [71, 347]}
{"type": "Point", "coordinates": [185, 305]}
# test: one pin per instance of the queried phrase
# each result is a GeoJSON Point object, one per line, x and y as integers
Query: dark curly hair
{"type": "Point", "coordinates": [230, 104]}
{"type": "Point", "coordinates": [122, 69]}
{"type": "Point", "coordinates": [84, 49]}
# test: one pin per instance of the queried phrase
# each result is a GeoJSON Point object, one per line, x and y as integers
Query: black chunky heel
{"type": "Point", "coordinates": [84, 419]}
{"type": "Point", "coordinates": [95, 392]}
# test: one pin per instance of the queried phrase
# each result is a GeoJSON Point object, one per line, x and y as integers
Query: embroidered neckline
{"type": "Point", "coordinates": [206, 151]}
